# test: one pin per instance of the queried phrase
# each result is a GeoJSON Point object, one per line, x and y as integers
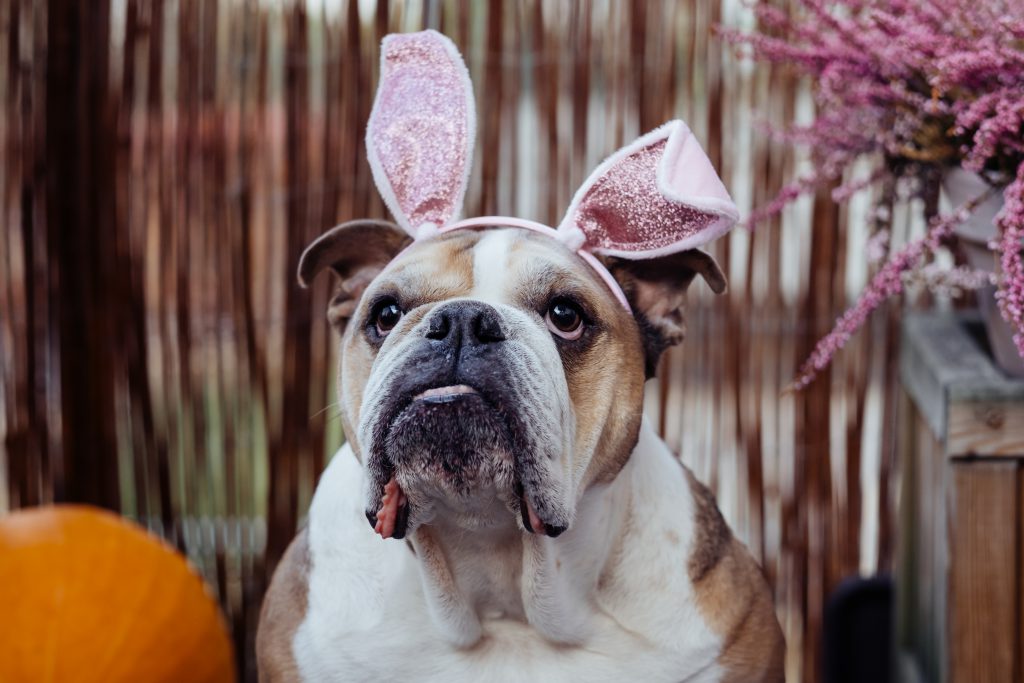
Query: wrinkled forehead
{"type": "Point", "coordinates": [500, 266]}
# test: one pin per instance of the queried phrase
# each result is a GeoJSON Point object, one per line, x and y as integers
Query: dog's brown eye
{"type": "Point", "coordinates": [388, 315]}
{"type": "Point", "coordinates": [564, 319]}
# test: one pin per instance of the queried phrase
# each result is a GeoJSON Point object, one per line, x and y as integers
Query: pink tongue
{"type": "Point", "coordinates": [535, 523]}
{"type": "Point", "coordinates": [389, 505]}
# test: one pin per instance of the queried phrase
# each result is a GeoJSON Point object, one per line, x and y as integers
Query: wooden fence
{"type": "Point", "coordinates": [164, 163]}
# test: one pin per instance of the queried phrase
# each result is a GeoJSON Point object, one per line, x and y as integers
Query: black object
{"type": "Point", "coordinates": [858, 638]}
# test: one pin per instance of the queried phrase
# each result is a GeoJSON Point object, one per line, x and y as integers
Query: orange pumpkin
{"type": "Point", "coordinates": [87, 596]}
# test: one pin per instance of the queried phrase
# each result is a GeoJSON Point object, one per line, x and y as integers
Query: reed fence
{"type": "Point", "coordinates": [164, 163]}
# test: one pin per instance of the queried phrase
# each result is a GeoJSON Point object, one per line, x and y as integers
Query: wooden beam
{"type": "Point", "coordinates": [984, 573]}
{"type": "Point", "coordinates": [969, 404]}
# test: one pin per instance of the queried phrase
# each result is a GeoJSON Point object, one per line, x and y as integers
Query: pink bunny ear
{"type": "Point", "coordinates": [420, 136]}
{"type": "Point", "coordinates": [655, 197]}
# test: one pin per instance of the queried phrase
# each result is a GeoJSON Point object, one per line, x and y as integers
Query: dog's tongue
{"type": "Point", "coordinates": [536, 525]}
{"type": "Point", "coordinates": [390, 505]}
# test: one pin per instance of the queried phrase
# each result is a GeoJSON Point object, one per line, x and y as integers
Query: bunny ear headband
{"type": "Point", "coordinates": [657, 196]}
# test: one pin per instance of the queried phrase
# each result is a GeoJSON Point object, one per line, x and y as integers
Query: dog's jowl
{"type": "Point", "coordinates": [501, 510]}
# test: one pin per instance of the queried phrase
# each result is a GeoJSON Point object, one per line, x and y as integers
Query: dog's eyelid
{"type": "Point", "coordinates": [380, 299]}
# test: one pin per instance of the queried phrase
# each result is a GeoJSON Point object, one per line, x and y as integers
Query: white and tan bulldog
{"type": "Point", "coordinates": [525, 522]}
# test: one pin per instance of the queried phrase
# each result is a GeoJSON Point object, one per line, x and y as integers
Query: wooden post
{"type": "Point", "coordinates": [960, 572]}
{"type": "Point", "coordinates": [984, 572]}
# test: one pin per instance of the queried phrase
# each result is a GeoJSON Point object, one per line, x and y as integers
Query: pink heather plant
{"type": "Point", "coordinates": [919, 85]}
{"type": "Point", "coordinates": [1011, 294]}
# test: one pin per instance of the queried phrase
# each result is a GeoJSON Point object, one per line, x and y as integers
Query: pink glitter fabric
{"type": "Point", "coordinates": [420, 135]}
{"type": "Point", "coordinates": [625, 210]}
{"type": "Point", "coordinates": [656, 196]}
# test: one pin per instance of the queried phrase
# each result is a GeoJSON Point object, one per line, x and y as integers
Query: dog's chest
{"type": "Point", "coordinates": [403, 645]}
{"type": "Point", "coordinates": [407, 650]}
{"type": "Point", "coordinates": [366, 619]}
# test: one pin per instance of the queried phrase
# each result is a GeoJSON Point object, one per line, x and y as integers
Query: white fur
{"type": "Point", "coordinates": [367, 619]}
{"type": "Point", "coordinates": [490, 265]}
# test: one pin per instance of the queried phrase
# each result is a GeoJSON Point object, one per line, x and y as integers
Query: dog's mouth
{"type": "Point", "coordinates": [391, 520]}
{"type": "Point", "coordinates": [445, 394]}
{"type": "Point", "coordinates": [446, 421]}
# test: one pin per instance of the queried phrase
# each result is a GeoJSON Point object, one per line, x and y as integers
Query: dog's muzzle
{"type": "Point", "coordinates": [452, 425]}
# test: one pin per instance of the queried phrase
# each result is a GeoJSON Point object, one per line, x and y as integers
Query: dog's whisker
{"type": "Point", "coordinates": [323, 410]}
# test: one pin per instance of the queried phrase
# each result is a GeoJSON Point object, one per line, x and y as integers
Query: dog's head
{"type": "Point", "coordinates": [493, 370]}
{"type": "Point", "coordinates": [500, 370]}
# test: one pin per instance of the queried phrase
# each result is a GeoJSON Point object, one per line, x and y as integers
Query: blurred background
{"type": "Point", "coordinates": [164, 163]}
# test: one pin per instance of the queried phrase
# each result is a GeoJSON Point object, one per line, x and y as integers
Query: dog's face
{"type": "Point", "coordinates": [491, 373]}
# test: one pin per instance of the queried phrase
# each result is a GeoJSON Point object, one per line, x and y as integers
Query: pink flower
{"type": "Point", "coordinates": [922, 84]}
{"type": "Point", "coordinates": [886, 283]}
{"type": "Point", "coordinates": [1011, 284]}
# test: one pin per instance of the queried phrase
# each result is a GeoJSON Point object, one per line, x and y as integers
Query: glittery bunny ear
{"type": "Point", "coordinates": [657, 196]}
{"type": "Point", "coordinates": [419, 139]}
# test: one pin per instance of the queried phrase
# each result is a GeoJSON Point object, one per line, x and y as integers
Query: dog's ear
{"type": "Point", "coordinates": [356, 252]}
{"type": "Point", "coordinates": [656, 290]}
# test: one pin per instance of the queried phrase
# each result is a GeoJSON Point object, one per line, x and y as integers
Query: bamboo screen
{"type": "Point", "coordinates": [164, 163]}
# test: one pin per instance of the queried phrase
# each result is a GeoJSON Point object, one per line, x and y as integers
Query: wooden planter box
{"type": "Point", "coordinates": [960, 566]}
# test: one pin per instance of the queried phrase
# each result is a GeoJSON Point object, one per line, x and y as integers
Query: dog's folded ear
{"type": "Point", "coordinates": [356, 252]}
{"type": "Point", "coordinates": [656, 290]}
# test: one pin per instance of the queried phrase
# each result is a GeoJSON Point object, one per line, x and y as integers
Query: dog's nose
{"type": "Point", "coordinates": [466, 322]}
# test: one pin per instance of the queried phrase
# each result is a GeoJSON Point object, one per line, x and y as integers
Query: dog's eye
{"type": "Point", "coordinates": [386, 316]}
{"type": "Point", "coordinates": [564, 319]}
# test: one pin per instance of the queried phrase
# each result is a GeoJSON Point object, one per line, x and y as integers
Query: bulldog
{"type": "Point", "coordinates": [501, 510]}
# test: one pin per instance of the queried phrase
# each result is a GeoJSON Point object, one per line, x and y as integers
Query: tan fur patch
{"type": "Point", "coordinates": [733, 597]}
{"type": "Point", "coordinates": [284, 608]}
{"type": "Point", "coordinates": [444, 273]}
{"type": "Point", "coordinates": [713, 537]}
{"type": "Point", "coordinates": [606, 381]}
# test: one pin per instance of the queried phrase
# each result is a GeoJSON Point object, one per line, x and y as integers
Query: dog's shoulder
{"type": "Point", "coordinates": [284, 608]}
{"type": "Point", "coordinates": [300, 589]}
{"type": "Point", "coordinates": [733, 595]}
{"type": "Point", "coordinates": [712, 539]}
